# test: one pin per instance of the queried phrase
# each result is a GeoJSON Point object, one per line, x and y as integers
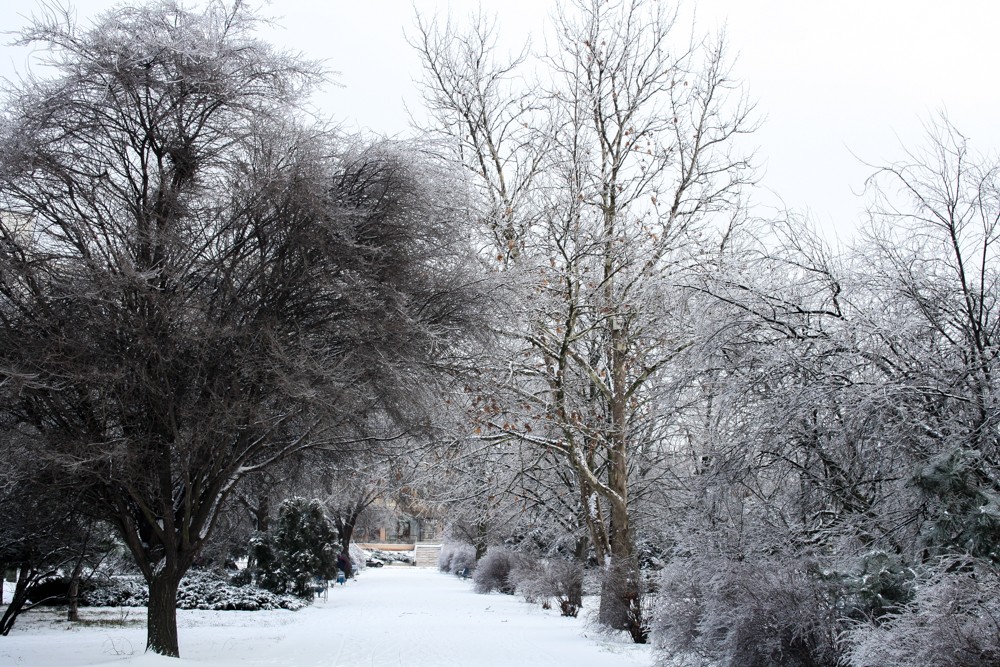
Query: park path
{"type": "Point", "coordinates": [388, 617]}
{"type": "Point", "coordinates": [396, 616]}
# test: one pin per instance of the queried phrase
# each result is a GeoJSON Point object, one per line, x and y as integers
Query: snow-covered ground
{"type": "Point", "coordinates": [392, 616]}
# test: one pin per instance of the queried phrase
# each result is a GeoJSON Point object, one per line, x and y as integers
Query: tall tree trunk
{"type": "Point", "coordinates": [73, 594]}
{"type": "Point", "coordinates": [621, 588]}
{"type": "Point", "coordinates": [593, 517]}
{"type": "Point", "coordinates": [345, 528]}
{"type": "Point", "coordinates": [261, 516]}
{"type": "Point", "coordinates": [581, 550]}
{"type": "Point", "coordinates": [73, 614]}
{"type": "Point", "coordinates": [621, 592]}
{"type": "Point", "coordinates": [161, 617]}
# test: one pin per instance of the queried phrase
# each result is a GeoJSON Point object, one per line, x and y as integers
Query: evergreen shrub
{"type": "Point", "coordinates": [302, 548]}
{"type": "Point", "coordinates": [952, 621]}
{"type": "Point", "coordinates": [199, 589]}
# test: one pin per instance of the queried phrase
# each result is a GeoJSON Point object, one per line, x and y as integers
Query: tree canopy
{"type": "Point", "coordinates": [196, 279]}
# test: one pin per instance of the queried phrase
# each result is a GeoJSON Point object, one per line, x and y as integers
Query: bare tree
{"type": "Point", "coordinates": [356, 484]}
{"type": "Point", "coordinates": [194, 283]}
{"type": "Point", "coordinates": [484, 114]}
{"type": "Point", "coordinates": [639, 160]}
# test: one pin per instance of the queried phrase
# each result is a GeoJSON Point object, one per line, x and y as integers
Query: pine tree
{"type": "Point", "coordinates": [304, 547]}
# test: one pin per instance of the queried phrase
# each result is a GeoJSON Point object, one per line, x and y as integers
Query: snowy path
{"type": "Point", "coordinates": [391, 617]}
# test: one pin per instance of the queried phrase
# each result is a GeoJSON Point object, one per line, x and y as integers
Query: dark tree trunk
{"type": "Point", "coordinates": [346, 534]}
{"type": "Point", "coordinates": [161, 618]}
{"type": "Point", "coordinates": [25, 576]}
{"type": "Point", "coordinates": [73, 595]}
{"type": "Point", "coordinates": [581, 551]}
{"type": "Point", "coordinates": [262, 514]}
{"type": "Point", "coordinates": [480, 539]}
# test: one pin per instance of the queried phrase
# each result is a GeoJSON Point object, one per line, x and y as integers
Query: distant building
{"type": "Point", "coordinates": [400, 528]}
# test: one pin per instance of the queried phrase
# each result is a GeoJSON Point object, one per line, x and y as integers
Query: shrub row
{"type": "Point", "coordinates": [198, 590]}
{"type": "Point", "coordinates": [749, 614]}
{"type": "Point", "coordinates": [541, 581]}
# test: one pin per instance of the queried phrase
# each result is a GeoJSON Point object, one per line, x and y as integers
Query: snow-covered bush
{"type": "Point", "coordinates": [115, 592]}
{"type": "Point", "coordinates": [564, 579]}
{"type": "Point", "coordinates": [207, 590]}
{"type": "Point", "coordinates": [198, 589]}
{"type": "Point", "coordinates": [739, 614]}
{"type": "Point", "coordinates": [242, 577]}
{"type": "Point", "coordinates": [528, 577]}
{"type": "Point", "coordinates": [626, 600]}
{"type": "Point", "coordinates": [444, 557]}
{"type": "Point", "coordinates": [953, 621]}
{"type": "Point", "coordinates": [49, 592]}
{"type": "Point", "coordinates": [456, 557]}
{"type": "Point", "coordinates": [559, 580]}
{"type": "Point", "coordinates": [494, 569]}
{"type": "Point", "coordinates": [404, 557]}
{"type": "Point", "coordinates": [358, 557]}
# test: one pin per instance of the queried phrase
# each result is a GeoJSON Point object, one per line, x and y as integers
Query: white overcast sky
{"type": "Point", "coordinates": [838, 82]}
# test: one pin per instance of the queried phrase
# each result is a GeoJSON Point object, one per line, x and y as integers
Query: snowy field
{"type": "Point", "coordinates": [392, 616]}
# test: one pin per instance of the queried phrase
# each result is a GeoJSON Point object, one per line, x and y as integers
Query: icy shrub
{"type": "Point", "coordinates": [565, 581]}
{"type": "Point", "coordinates": [358, 556]}
{"type": "Point", "coordinates": [953, 621]}
{"type": "Point", "coordinates": [747, 614]}
{"type": "Point", "coordinates": [676, 624]}
{"type": "Point", "coordinates": [463, 559]}
{"type": "Point", "coordinates": [544, 581]}
{"type": "Point", "coordinates": [444, 557]}
{"type": "Point", "coordinates": [528, 577]}
{"type": "Point", "coordinates": [455, 557]}
{"type": "Point", "coordinates": [493, 572]}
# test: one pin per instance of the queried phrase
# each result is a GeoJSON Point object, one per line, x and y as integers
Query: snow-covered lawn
{"type": "Point", "coordinates": [392, 616]}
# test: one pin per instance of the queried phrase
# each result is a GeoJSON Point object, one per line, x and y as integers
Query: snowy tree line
{"type": "Point", "coordinates": [553, 315]}
{"type": "Point", "coordinates": [776, 451]}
